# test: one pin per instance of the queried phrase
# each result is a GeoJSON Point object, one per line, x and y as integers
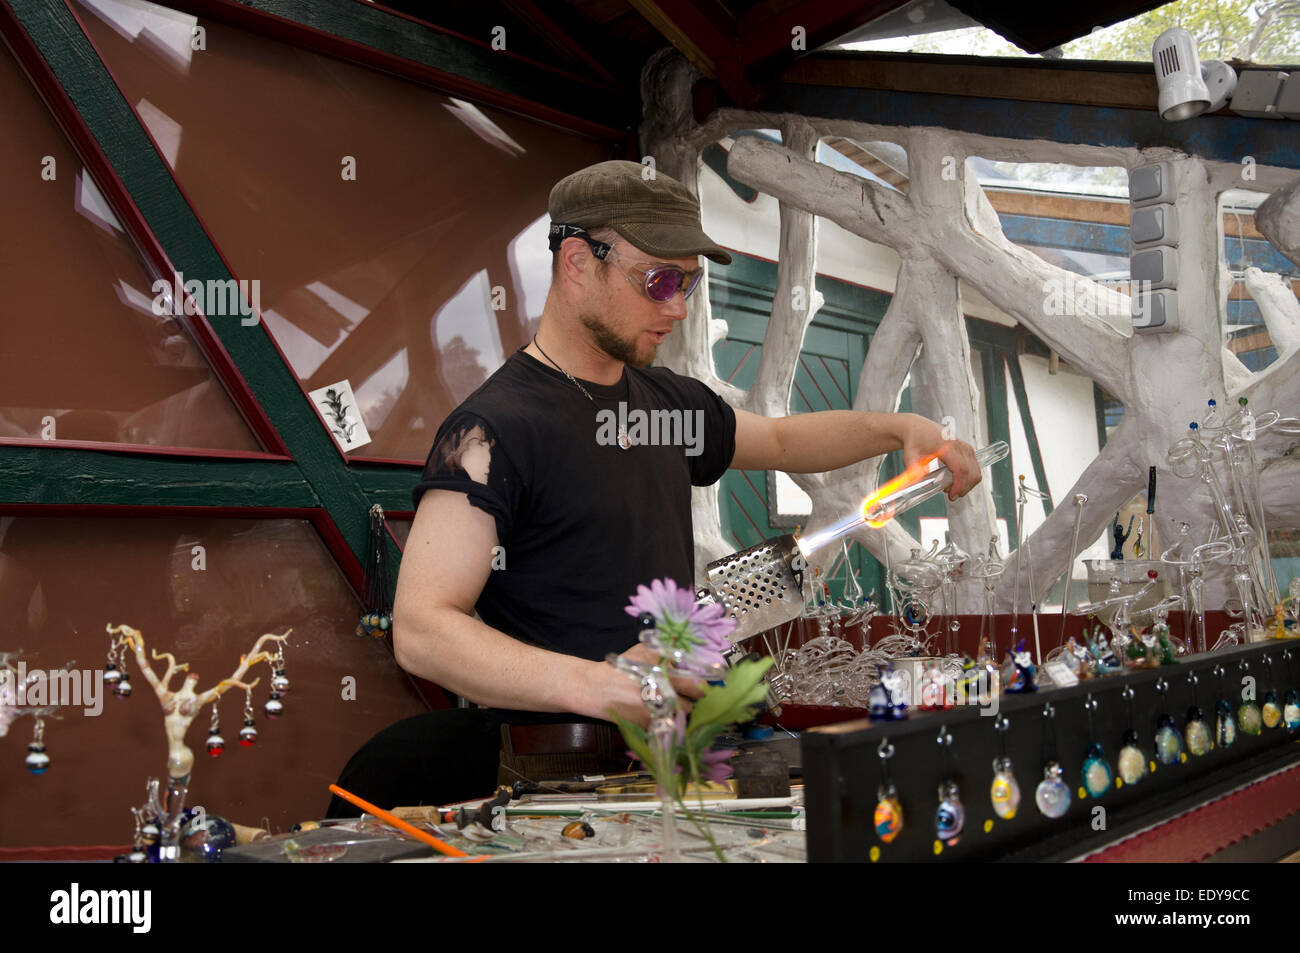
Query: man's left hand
{"type": "Point", "coordinates": [923, 437]}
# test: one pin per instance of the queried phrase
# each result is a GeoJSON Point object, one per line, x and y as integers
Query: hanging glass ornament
{"type": "Point", "coordinates": [112, 674]}
{"type": "Point", "coordinates": [123, 687]}
{"type": "Point", "coordinates": [1132, 761]}
{"type": "Point", "coordinates": [1291, 700]}
{"type": "Point", "coordinates": [1169, 741]}
{"type": "Point", "coordinates": [274, 708]}
{"type": "Point", "coordinates": [1052, 794]}
{"type": "Point", "coordinates": [1004, 792]}
{"type": "Point", "coordinates": [1097, 774]}
{"type": "Point", "coordinates": [1096, 771]}
{"type": "Point", "coordinates": [1195, 731]}
{"type": "Point", "coordinates": [950, 817]}
{"type": "Point", "coordinates": [1249, 718]}
{"type": "Point", "coordinates": [1225, 727]}
{"type": "Point", "coordinates": [377, 613]}
{"type": "Point", "coordinates": [1291, 709]}
{"type": "Point", "coordinates": [1271, 711]}
{"type": "Point", "coordinates": [38, 761]}
{"type": "Point", "coordinates": [216, 744]}
{"type": "Point", "coordinates": [248, 734]}
{"type": "Point", "coordinates": [889, 813]}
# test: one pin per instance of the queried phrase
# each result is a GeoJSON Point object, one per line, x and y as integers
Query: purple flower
{"type": "Point", "coordinates": [693, 636]}
{"type": "Point", "coordinates": [716, 765]}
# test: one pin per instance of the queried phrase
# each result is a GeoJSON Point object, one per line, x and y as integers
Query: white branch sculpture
{"type": "Point", "coordinates": [181, 706]}
{"type": "Point", "coordinates": [943, 229]}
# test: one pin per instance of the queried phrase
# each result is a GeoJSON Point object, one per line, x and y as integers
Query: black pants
{"type": "Point", "coordinates": [436, 758]}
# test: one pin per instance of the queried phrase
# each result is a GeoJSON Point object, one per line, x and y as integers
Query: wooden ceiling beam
{"type": "Point", "coordinates": [766, 30]}
{"type": "Point", "coordinates": [697, 31]}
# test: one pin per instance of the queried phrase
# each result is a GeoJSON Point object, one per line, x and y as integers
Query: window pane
{"type": "Point", "coordinates": [85, 356]}
{"type": "Point", "coordinates": [203, 589]}
{"type": "Point", "coordinates": [378, 216]}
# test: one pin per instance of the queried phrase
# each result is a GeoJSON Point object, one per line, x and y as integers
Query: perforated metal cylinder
{"type": "Point", "coordinates": [759, 587]}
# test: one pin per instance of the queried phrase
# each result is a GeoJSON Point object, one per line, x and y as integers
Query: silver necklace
{"type": "Point", "coordinates": [623, 440]}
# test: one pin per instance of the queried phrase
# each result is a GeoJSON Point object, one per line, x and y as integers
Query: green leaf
{"type": "Point", "coordinates": [634, 735]}
{"type": "Point", "coordinates": [729, 703]}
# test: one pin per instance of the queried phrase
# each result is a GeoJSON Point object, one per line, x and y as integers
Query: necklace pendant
{"type": "Point", "coordinates": [624, 441]}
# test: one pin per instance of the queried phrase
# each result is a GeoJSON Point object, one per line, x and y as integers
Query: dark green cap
{"type": "Point", "coordinates": [653, 211]}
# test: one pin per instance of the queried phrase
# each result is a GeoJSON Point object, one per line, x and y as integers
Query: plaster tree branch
{"type": "Point", "coordinates": [796, 299]}
{"type": "Point", "coordinates": [1162, 379]}
{"type": "Point", "coordinates": [1012, 279]}
{"type": "Point", "coordinates": [1278, 219]}
{"type": "Point", "coordinates": [1281, 311]}
{"type": "Point", "coordinates": [1109, 482]}
{"type": "Point", "coordinates": [667, 136]}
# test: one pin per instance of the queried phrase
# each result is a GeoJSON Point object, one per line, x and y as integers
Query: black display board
{"type": "Point", "coordinates": [842, 767]}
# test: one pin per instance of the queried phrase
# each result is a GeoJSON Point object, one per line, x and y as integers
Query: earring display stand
{"type": "Point", "coordinates": [842, 772]}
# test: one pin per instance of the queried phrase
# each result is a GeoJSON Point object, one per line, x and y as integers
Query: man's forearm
{"type": "Point", "coordinates": [830, 439]}
{"type": "Point", "coordinates": [474, 660]}
{"type": "Point", "coordinates": [486, 666]}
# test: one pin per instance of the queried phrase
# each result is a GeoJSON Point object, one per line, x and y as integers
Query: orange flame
{"type": "Point", "coordinates": [913, 474]}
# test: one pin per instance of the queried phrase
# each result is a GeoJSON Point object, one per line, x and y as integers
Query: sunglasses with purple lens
{"type": "Point", "coordinates": [658, 283]}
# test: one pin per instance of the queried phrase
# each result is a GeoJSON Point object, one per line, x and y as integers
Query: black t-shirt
{"type": "Point", "coordinates": [581, 521]}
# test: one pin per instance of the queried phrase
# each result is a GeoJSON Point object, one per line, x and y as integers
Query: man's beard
{"type": "Point", "coordinates": [608, 340]}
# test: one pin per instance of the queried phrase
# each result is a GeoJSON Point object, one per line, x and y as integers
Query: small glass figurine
{"type": "Point", "coordinates": [1018, 671]}
{"type": "Point", "coordinates": [887, 699]}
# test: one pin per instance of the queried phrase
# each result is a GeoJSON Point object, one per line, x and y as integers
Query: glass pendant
{"type": "Point", "coordinates": [889, 814]}
{"type": "Point", "coordinates": [1291, 710]}
{"type": "Point", "coordinates": [1249, 718]}
{"type": "Point", "coordinates": [950, 818]}
{"type": "Point", "coordinates": [1225, 728]}
{"type": "Point", "coordinates": [1004, 792]}
{"type": "Point", "coordinates": [1097, 774]}
{"type": "Point", "coordinates": [1052, 795]}
{"type": "Point", "coordinates": [1169, 743]}
{"type": "Point", "coordinates": [1271, 711]}
{"type": "Point", "coordinates": [1132, 759]}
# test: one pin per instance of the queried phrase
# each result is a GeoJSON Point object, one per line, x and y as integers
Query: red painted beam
{"type": "Point", "coordinates": [763, 37]}
{"type": "Point", "coordinates": [558, 38]}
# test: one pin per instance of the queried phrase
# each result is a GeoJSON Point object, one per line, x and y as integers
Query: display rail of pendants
{"type": "Point", "coordinates": [886, 791]}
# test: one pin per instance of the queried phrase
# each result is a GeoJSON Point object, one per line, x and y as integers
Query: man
{"type": "Point", "coordinates": [544, 505]}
